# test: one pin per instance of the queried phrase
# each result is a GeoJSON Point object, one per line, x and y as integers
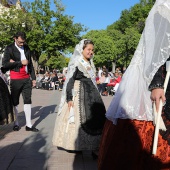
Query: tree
{"type": "Point", "coordinates": [126, 46]}
{"type": "Point", "coordinates": [59, 33]}
{"type": "Point", "coordinates": [11, 21]}
{"type": "Point", "coordinates": [50, 32]}
{"type": "Point", "coordinates": [4, 2]}
{"type": "Point", "coordinates": [134, 17]}
{"type": "Point", "coordinates": [127, 30]}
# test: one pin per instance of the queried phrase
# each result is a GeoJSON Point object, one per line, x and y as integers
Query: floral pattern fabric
{"type": "Point", "coordinates": [128, 145]}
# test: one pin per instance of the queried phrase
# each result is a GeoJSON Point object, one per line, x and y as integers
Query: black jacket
{"type": "Point", "coordinates": [11, 52]}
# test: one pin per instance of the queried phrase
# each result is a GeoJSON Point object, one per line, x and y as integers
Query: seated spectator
{"type": "Point", "coordinates": [118, 70]}
{"type": "Point", "coordinates": [111, 74]}
{"type": "Point", "coordinates": [104, 69]}
{"type": "Point", "coordinates": [97, 77]}
{"type": "Point", "coordinates": [114, 83]}
{"type": "Point", "coordinates": [46, 83]}
{"type": "Point", "coordinates": [101, 81]}
{"type": "Point", "coordinates": [124, 69]}
{"type": "Point", "coordinates": [104, 84]}
{"type": "Point", "coordinates": [39, 77]}
{"type": "Point", "coordinates": [54, 71]}
{"type": "Point", "coordinates": [54, 80]}
{"type": "Point", "coordinates": [41, 71]}
{"type": "Point", "coordinates": [61, 82]}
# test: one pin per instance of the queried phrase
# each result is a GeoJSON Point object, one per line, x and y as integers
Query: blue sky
{"type": "Point", "coordinates": [95, 14]}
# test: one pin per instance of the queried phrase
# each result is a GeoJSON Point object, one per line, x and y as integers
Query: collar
{"type": "Point", "coordinates": [19, 48]}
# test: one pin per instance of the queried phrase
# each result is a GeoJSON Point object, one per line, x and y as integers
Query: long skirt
{"type": "Point", "coordinates": [6, 109]}
{"type": "Point", "coordinates": [128, 145]}
{"type": "Point", "coordinates": [71, 136]}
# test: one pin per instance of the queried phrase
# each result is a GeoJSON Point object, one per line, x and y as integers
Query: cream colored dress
{"type": "Point", "coordinates": [71, 136]}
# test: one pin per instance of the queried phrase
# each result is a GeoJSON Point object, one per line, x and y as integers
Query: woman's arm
{"type": "Point", "coordinates": [70, 86]}
{"type": "Point", "coordinates": [157, 86]}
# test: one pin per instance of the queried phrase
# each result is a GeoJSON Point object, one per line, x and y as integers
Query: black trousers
{"type": "Point", "coordinates": [19, 86]}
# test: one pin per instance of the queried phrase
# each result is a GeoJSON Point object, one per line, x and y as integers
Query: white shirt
{"type": "Point", "coordinates": [107, 80]}
{"type": "Point", "coordinates": [23, 57]}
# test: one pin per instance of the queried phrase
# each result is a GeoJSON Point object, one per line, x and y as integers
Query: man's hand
{"type": "Point", "coordinates": [33, 83]}
{"type": "Point", "coordinates": [24, 62]}
{"type": "Point", "coordinates": [156, 95]}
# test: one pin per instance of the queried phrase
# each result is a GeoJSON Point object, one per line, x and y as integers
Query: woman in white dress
{"type": "Point", "coordinates": [128, 135]}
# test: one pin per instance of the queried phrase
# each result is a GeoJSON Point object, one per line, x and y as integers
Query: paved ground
{"type": "Point", "coordinates": [24, 150]}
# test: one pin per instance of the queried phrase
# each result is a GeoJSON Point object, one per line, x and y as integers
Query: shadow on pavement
{"type": "Point", "coordinates": [38, 112]}
{"type": "Point", "coordinates": [42, 113]}
{"type": "Point", "coordinates": [29, 154]}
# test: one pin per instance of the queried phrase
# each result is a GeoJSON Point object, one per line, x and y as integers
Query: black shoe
{"type": "Point", "coordinates": [16, 128]}
{"type": "Point", "coordinates": [33, 129]}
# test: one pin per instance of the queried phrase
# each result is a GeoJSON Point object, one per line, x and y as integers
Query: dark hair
{"type": "Point", "coordinates": [20, 34]}
{"type": "Point", "coordinates": [86, 42]}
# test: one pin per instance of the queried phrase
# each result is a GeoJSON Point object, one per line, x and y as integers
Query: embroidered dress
{"type": "Point", "coordinates": [89, 115]}
{"type": "Point", "coordinates": [127, 139]}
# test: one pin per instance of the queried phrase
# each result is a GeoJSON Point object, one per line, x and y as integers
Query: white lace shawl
{"type": "Point", "coordinates": [74, 62]}
{"type": "Point", "coordinates": [132, 100]}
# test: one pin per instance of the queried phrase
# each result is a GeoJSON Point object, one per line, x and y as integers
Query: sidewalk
{"type": "Point", "coordinates": [24, 150]}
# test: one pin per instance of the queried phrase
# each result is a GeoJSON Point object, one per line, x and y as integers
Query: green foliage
{"type": "Point", "coordinates": [51, 35]}
{"type": "Point", "coordinates": [4, 2]}
{"type": "Point", "coordinates": [126, 46]}
{"type": "Point", "coordinates": [66, 61]}
{"type": "Point", "coordinates": [56, 61]}
{"type": "Point", "coordinates": [134, 17]}
{"type": "Point", "coordinates": [43, 59]}
{"type": "Point", "coordinates": [11, 21]}
{"type": "Point", "coordinates": [48, 31]}
{"type": "Point", "coordinates": [56, 32]}
{"type": "Point", "coordinates": [127, 30]}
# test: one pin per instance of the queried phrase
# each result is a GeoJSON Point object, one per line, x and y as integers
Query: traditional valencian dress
{"type": "Point", "coordinates": [81, 129]}
{"type": "Point", "coordinates": [6, 108]}
{"type": "Point", "coordinates": [128, 135]}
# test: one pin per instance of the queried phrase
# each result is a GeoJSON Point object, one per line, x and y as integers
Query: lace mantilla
{"type": "Point", "coordinates": [132, 99]}
{"type": "Point", "coordinates": [74, 62]}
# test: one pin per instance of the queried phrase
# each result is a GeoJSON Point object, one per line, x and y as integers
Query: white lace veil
{"type": "Point", "coordinates": [132, 100]}
{"type": "Point", "coordinates": [71, 69]}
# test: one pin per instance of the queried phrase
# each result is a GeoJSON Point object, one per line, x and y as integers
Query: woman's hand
{"type": "Point", "coordinates": [11, 61]}
{"type": "Point", "coordinates": [70, 104]}
{"type": "Point", "coordinates": [156, 95]}
{"type": "Point", "coordinates": [33, 83]}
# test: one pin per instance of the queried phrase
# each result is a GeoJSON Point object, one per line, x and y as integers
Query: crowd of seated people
{"type": "Point", "coordinates": [108, 82]}
{"type": "Point", "coordinates": [113, 85]}
{"type": "Point", "coordinates": [50, 81]}
{"type": "Point", "coordinates": [103, 81]}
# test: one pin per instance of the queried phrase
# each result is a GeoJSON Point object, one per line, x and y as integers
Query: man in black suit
{"type": "Point", "coordinates": [17, 59]}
